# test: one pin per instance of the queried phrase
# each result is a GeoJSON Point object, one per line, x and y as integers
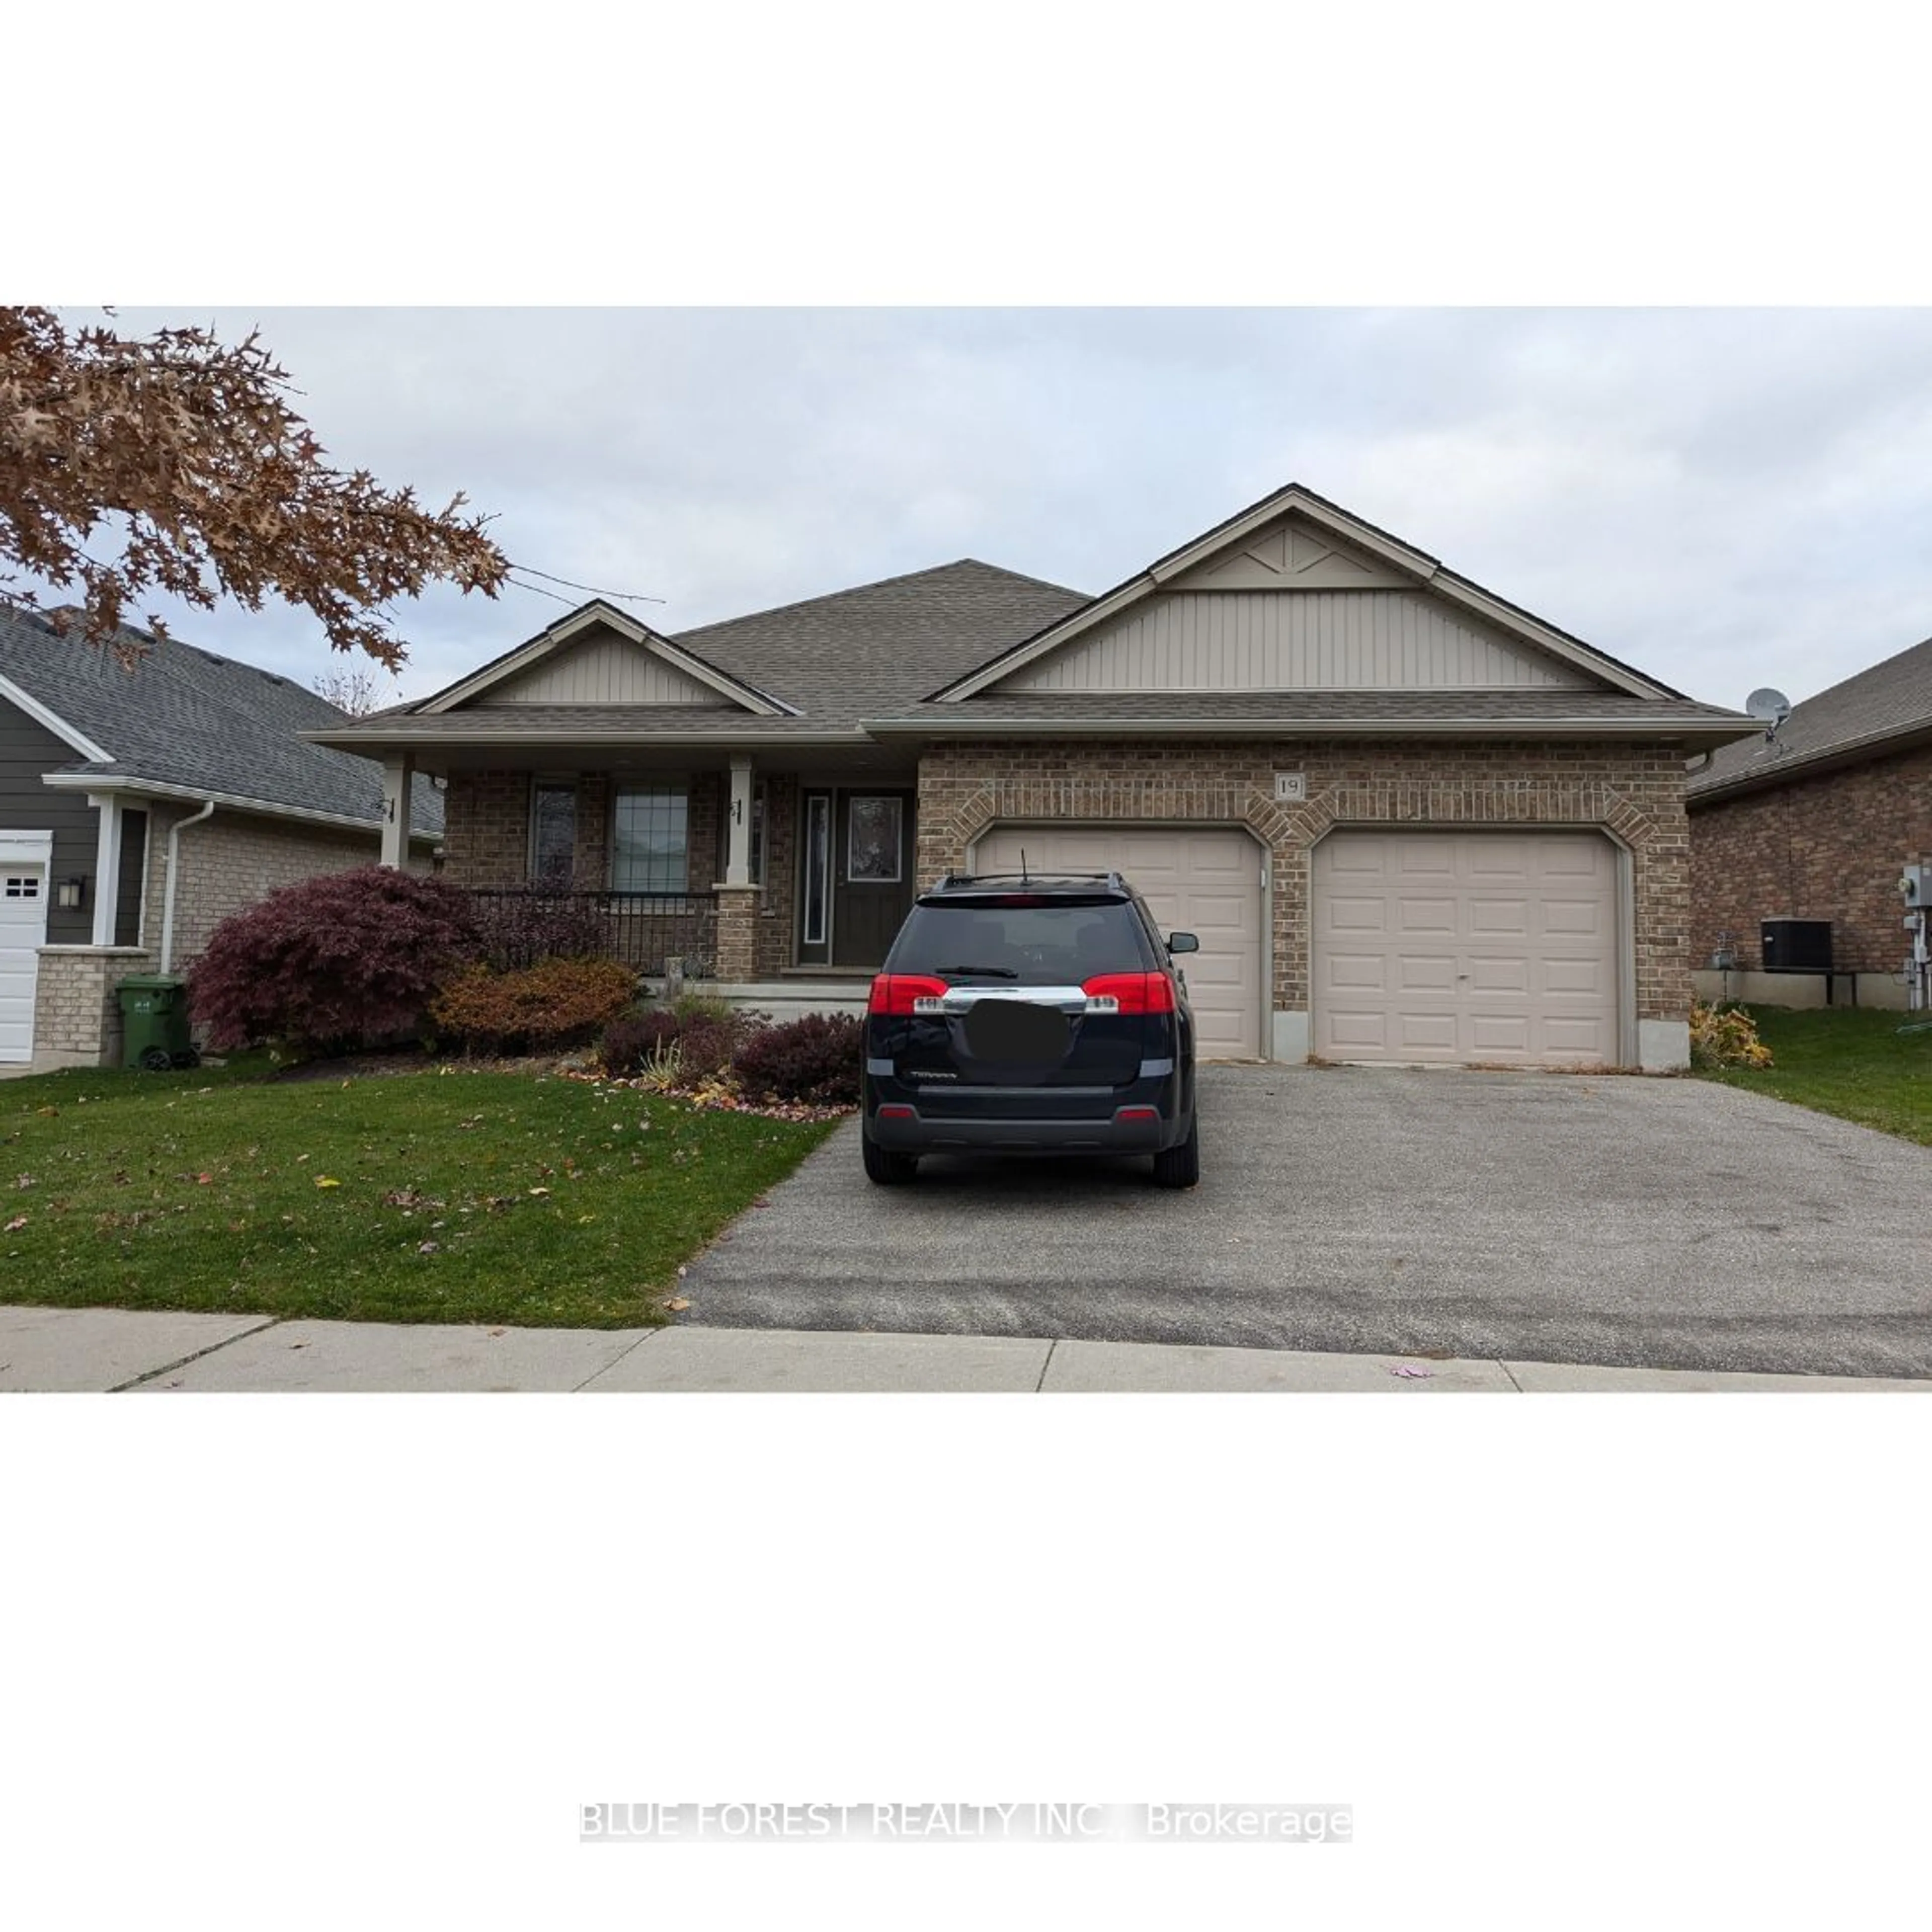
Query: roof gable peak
{"type": "Point", "coordinates": [1291, 540]}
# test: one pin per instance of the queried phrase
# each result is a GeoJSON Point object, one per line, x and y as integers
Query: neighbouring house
{"type": "Point", "coordinates": [1410, 821]}
{"type": "Point", "coordinates": [1816, 821]}
{"type": "Point", "coordinates": [111, 860]}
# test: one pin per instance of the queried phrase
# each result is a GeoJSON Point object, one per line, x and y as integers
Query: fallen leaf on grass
{"type": "Point", "coordinates": [677, 1304]}
{"type": "Point", "coordinates": [14, 1226]}
{"type": "Point", "coordinates": [202, 1179]}
{"type": "Point", "coordinates": [429, 1247]}
{"type": "Point", "coordinates": [539, 1191]}
{"type": "Point", "coordinates": [323, 1181]}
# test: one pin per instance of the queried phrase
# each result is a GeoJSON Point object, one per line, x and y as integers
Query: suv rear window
{"type": "Point", "coordinates": [1060, 941]}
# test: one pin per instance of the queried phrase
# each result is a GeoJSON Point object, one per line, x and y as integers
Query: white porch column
{"type": "Point", "coordinates": [106, 865]}
{"type": "Point", "coordinates": [738, 823]}
{"type": "Point", "coordinates": [399, 771]}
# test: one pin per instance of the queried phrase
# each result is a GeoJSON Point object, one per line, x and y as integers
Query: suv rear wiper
{"type": "Point", "coordinates": [980, 972]}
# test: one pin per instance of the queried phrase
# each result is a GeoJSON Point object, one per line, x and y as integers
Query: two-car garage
{"type": "Point", "coordinates": [1485, 945]}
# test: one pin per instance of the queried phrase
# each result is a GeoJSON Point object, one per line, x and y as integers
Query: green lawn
{"type": "Point", "coordinates": [441, 1196]}
{"type": "Point", "coordinates": [1853, 1062]}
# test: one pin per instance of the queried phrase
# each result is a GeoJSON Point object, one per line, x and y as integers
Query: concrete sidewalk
{"type": "Point", "coordinates": [93, 1349]}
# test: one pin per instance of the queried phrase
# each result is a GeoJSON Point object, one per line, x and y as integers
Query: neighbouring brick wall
{"type": "Point", "coordinates": [1830, 847]}
{"type": "Point", "coordinates": [77, 1014]}
{"type": "Point", "coordinates": [232, 862]}
{"type": "Point", "coordinates": [1635, 792]}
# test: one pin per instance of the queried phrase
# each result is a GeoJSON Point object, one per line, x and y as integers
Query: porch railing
{"type": "Point", "coordinates": [643, 929]}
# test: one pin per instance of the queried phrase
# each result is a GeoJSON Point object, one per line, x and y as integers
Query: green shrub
{"type": "Point", "coordinates": [549, 1004]}
{"type": "Point", "coordinates": [1725, 1036]}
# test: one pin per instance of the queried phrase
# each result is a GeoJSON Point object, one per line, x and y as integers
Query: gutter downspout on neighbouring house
{"type": "Point", "coordinates": [175, 832]}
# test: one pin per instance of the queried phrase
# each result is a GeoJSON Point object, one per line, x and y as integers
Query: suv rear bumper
{"type": "Point", "coordinates": [910, 1132]}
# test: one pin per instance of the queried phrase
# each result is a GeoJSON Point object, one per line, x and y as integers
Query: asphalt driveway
{"type": "Point", "coordinates": [1662, 1223]}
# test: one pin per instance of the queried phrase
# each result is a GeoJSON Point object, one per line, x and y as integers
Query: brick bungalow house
{"type": "Point", "coordinates": [1409, 820]}
{"type": "Point", "coordinates": [1816, 822]}
{"type": "Point", "coordinates": [139, 809]}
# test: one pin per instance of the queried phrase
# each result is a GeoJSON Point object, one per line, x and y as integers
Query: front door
{"type": "Point", "coordinates": [859, 882]}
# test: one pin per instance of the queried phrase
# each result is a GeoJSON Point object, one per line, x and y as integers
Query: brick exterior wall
{"type": "Point", "coordinates": [486, 835]}
{"type": "Point", "coordinates": [487, 839]}
{"type": "Point", "coordinates": [1635, 792]}
{"type": "Point", "coordinates": [1830, 847]}
{"type": "Point", "coordinates": [775, 946]}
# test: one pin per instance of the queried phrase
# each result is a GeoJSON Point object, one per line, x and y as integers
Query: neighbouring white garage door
{"type": "Point", "coordinates": [1460, 946]}
{"type": "Point", "coordinates": [1208, 882]}
{"type": "Point", "coordinates": [23, 931]}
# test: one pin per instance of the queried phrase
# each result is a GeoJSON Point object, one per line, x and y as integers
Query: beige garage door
{"type": "Point", "coordinates": [1208, 882]}
{"type": "Point", "coordinates": [1459, 946]}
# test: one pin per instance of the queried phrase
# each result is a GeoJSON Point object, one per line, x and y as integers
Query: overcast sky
{"type": "Point", "coordinates": [1725, 498]}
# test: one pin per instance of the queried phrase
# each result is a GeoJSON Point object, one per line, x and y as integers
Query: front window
{"type": "Point", "coordinates": [649, 841]}
{"type": "Point", "coordinates": [552, 834]}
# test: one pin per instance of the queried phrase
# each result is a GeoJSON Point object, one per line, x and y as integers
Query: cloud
{"type": "Point", "coordinates": [1725, 497]}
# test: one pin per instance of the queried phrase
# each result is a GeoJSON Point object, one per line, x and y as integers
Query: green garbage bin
{"type": "Point", "coordinates": [154, 1023]}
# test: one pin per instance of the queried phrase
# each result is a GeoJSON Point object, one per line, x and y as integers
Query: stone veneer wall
{"type": "Point", "coordinates": [1635, 791]}
{"type": "Point", "coordinates": [1830, 847]}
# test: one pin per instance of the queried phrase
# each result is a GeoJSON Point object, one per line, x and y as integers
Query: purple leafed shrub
{"type": "Point", "coordinates": [337, 962]}
{"type": "Point", "coordinates": [630, 1041]}
{"type": "Point", "coordinates": [705, 1042]}
{"type": "Point", "coordinates": [814, 1059]}
{"type": "Point", "coordinates": [516, 929]}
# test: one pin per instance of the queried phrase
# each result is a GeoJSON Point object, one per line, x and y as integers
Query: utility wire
{"type": "Point", "coordinates": [628, 596]}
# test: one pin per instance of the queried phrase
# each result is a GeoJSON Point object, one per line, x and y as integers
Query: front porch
{"type": "Point", "coordinates": [777, 887]}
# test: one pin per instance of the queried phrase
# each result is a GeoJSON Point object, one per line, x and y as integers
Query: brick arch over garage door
{"type": "Point", "coordinates": [1633, 792]}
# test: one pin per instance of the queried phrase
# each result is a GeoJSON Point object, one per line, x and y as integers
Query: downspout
{"type": "Point", "coordinates": [175, 832]}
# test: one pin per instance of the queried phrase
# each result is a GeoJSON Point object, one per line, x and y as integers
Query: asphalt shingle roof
{"type": "Point", "coordinates": [872, 652]}
{"type": "Point", "coordinates": [1886, 701]}
{"type": "Point", "coordinates": [189, 717]}
{"type": "Point", "coordinates": [1528, 707]}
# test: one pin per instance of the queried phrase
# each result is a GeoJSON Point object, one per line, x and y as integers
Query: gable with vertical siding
{"type": "Point", "coordinates": [604, 668]}
{"type": "Point", "coordinates": [1295, 640]}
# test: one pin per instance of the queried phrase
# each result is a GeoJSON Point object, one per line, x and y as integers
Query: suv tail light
{"type": "Point", "coordinates": [1130, 993]}
{"type": "Point", "coordinates": [900, 995]}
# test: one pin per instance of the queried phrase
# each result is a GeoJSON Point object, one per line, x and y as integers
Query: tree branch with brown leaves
{"type": "Point", "coordinates": [185, 450]}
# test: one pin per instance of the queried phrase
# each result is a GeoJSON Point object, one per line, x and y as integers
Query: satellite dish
{"type": "Point", "coordinates": [1771, 708]}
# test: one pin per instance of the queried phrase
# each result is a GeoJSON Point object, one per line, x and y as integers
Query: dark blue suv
{"type": "Point", "coordinates": [1025, 1015]}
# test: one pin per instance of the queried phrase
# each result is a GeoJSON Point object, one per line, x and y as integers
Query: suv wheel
{"type": "Point", "coordinates": [889, 1169]}
{"type": "Point", "coordinates": [1179, 1165]}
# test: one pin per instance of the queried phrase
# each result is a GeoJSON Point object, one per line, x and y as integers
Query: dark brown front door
{"type": "Point", "coordinates": [857, 883]}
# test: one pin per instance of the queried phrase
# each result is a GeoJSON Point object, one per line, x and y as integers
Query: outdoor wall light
{"type": "Point", "coordinates": [69, 894]}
